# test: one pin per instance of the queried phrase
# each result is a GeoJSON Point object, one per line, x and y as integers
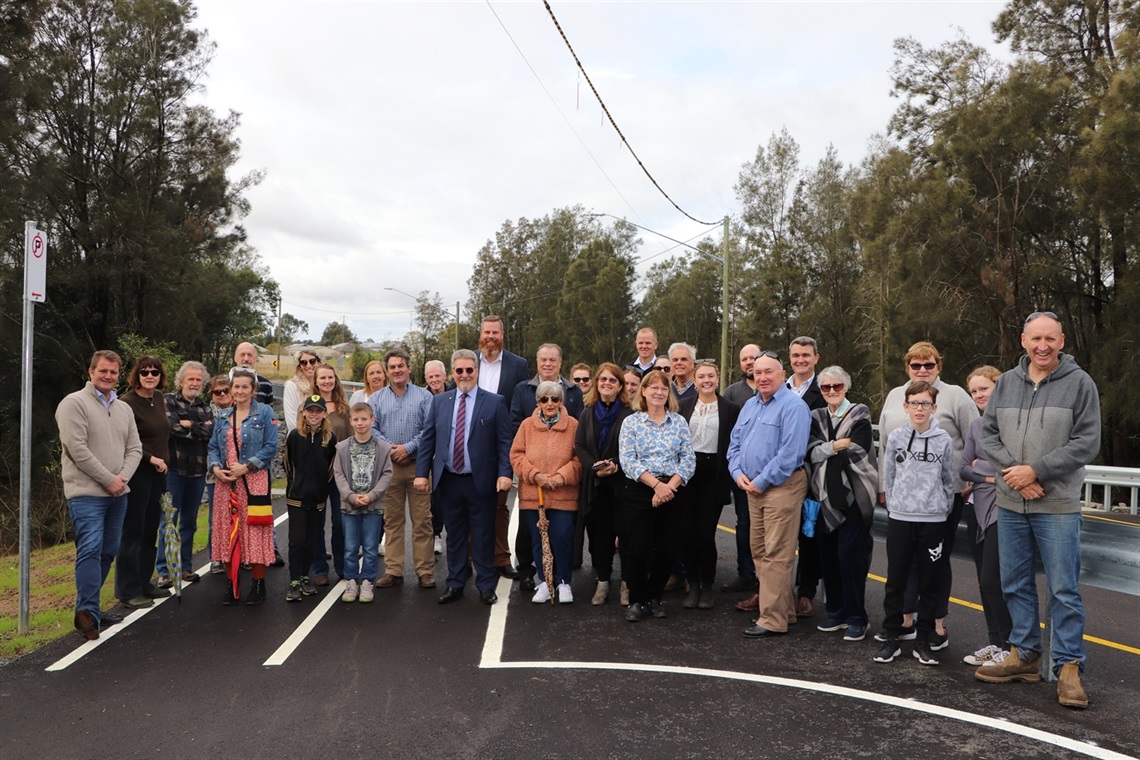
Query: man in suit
{"type": "Point", "coordinates": [499, 372]}
{"type": "Point", "coordinates": [466, 449]}
{"type": "Point", "coordinates": [804, 356]}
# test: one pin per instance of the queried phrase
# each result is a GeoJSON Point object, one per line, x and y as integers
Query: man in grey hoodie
{"type": "Point", "coordinates": [1041, 427]}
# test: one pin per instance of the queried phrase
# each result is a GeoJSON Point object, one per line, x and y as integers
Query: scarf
{"type": "Point", "coordinates": [606, 415]}
{"type": "Point", "coordinates": [549, 422]}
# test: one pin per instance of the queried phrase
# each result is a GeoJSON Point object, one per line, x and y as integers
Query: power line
{"type": "Point", "coordinates": [342, 312]}
{"type": "Point", "coordinates": [568, 123]}
{"type": "Point", "coordinates": [611, 118]}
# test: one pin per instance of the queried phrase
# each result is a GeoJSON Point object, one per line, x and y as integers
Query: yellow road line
{"type": "Point", "coordinates": [1114, 522]}
{"type": "Point", "coordinates": [978, 607]}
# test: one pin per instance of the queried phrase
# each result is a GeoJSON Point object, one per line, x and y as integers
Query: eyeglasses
{"type": "Point", "coordinates": [307, 362]}
{"type": "Point", "coordinates": [220, 392]}
{"type": "Point", "coordinates": [463, 370]}
{"type": "Point", "coordinates": [831, 388]}
{"type": "Point", "coordinates": [769, 354]}
{"type": "Point", "coordinates": [916, 366]}
{"type": "Point", "coordinates": [666, 370]}
{"type": "Point", "coordinates": [548, 399]}
{"type": "Point", "coordinates": [607, 380]}
{"type": "Point", "coordinates": [924, 405]}
{"type": "Point", "coordinates": [150, 372]}
{"type": "Point", "coordinates": [1037, 314]}
{"type": "Point", "coordinates": [581, 380]}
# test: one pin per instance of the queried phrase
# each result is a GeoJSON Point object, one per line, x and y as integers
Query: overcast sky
{"type": "Point", "coordinates": [396, 138]}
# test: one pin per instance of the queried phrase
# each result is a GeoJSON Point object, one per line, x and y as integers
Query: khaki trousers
{"type": "Point", "coordinates": [419, 506]}
{"type": "Point", "coordinates": [774, 527]}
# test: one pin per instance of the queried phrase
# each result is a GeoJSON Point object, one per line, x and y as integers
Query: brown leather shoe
{"type": "Point", "coordinates": [321, 580]}
{"type": "Point", "coordinates": [804, 607]}
{"type": "Point", "coordinates": [751, 604]}
{"type": "Point", "coordinates": [1012, 668]}
{"type": "Point", "coordinates": [673, 583]}
{"type": "Point", "coordinates": [389, 580]}
{"type": "Point", "coordinates": [1070, 693]}
{"type": "Point", "coordinates": [427, 581]}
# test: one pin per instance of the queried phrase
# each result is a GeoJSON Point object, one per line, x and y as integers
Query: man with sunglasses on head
{"type": "Point", "coordinates": [766, 460]}
{"type": "Point", "coordinates": [1041, 428]}
{"type": "Point", "coordinates": [523, 402]}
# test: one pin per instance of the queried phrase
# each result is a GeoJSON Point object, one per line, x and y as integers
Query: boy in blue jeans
{"type": "Point", "coordinates": [363, 469]}
{"type": "Point", "coordinates": [920, 480]}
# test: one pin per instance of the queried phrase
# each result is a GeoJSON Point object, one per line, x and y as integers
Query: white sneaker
{"type": "Point", "coordinates": [438, 545]}
{"type": "Point", "coordinates": [565, 595]}
{"type": "Point", "coordinates": [982, 656]}
{"type": "Point", "coordinates": [380, 549]}
{"type": "Point", "coordinates": [541, 594]}
{"type": "Point", "coordinates": [351, 590]}
{"type": "Point", "coordinates": [997, 659]}
{"type": "Point", "coordinates": [365, 592]}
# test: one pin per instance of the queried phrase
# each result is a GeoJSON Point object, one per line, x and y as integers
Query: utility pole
{"type": "Point", "coordinates": [724, 310]}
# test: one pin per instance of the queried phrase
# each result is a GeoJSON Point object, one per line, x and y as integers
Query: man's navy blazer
{"type": "Point", "coordinates": [488, 441]}
{"type": "Point", "coordinates": [513, 372]}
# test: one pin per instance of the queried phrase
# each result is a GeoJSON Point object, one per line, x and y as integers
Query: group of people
{"type": "Point", "coordinates": [635, 462]}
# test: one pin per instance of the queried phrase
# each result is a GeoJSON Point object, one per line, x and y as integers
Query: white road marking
{"type": "Point", "coordinates": [106, 634]}
{"type": "Point", "coordinates": [306, 627]}
{"type": "Point", "coordinates": [492, 658]}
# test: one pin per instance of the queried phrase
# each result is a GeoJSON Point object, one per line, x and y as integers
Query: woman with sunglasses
{"type": "Point", "coordinates": [542, 456]}
{"type": "Point", "coordinates": [219, 399]}
{"type": "Point", "coordinates": [375, 378]}
{"type": "Point", "coordinates": [299, 387]}
{"type": "Point", "coordinates": [327, 385]}
{"type": "Point", "coordinates": [599, 497]}
{"type": "Point", "coordinates": [134, 564]}
{"type": "Point", "coordinates": [655, 451]}
{"type": "Point", "coordinates": [241, 452]}
{"type": "Point", "coordinates": [845, 481]}
{"type": "Point", "coordinates": [956, 410]}
{"type": "Point", "coordinates": [710, 417]}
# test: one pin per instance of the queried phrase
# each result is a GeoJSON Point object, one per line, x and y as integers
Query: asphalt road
{"type": "Point", "coordinates": [406, 677]}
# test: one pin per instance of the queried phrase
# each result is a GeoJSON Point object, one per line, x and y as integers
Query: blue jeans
{"type": "Point", "coordinates": [561, 534]}
{"type": "Point", "coordinates": [1056, 539]}
{"type": "Point", "coordinates": [210, 520]}
{"type": "Point", "coordinates": [361, 534]}
{"type": "Point", "coordinates": [320, 562]}
{"type": "Point", "coordinates": [186, 493]}
{"type": "Point", "coordinates": [98, 524]}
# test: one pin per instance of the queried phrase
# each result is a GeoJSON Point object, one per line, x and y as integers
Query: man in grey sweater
{"type": "Point", "coordinates": [1041, 427]}
{"type": "Point", "coordinates": [101, 450]}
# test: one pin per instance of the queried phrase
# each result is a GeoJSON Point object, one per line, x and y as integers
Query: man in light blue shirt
{"type": "Point", "coordinates": [766, 456]}
{"type": "Point", "coordinates": [402, 411]}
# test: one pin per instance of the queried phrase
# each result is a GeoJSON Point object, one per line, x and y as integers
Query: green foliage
{"type": "Point", "coordinates": [101, 144]}
{"type": "Point", "coordinates": [132, 346]}
{"type": "Point", "coordinates": [523, 277]}
{"type": "Point", "coordinates": [336, 333]}
{"type": "Point", "coordinates": [360, 360]}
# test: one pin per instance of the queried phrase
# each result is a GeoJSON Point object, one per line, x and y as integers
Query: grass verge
{"type": "Point", "coordinates": [52, 601]}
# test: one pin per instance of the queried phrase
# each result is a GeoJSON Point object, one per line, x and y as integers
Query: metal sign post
{"type": "Point", "coordinates": [35, 290]}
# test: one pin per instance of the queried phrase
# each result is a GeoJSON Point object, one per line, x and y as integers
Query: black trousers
{"type": "Point", "coordinates": [138, 547]}
{"type": "Point", "coordinates": [946, 581]}
{"type": "Point", "coordinates": [845, 558]}
{"type": "Point", "coordinates": [605, 523]}
{"type": "Point", "coordinates": [304, 524]}
{"type": "Point", "coordinates": [808, 570]}
{"type": "Point", "coordinates": [699, 513]}
{"type": "Point", "coordinates": [988, 567]}
{"type": "Point", "coordinates": [652, 538]}
{"type": "Point", "coordinates": [923, 545]}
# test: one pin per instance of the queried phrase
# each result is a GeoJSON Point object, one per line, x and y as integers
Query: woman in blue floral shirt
{"type": "Point", "coordinates": [656, 455]}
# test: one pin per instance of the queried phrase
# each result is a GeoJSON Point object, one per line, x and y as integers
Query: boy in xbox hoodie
{"type": "Point", "coordinates": [919, 481]}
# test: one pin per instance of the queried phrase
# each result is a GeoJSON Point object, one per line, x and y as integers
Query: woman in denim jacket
{"type": "Point", "coordinates": [241, 462]}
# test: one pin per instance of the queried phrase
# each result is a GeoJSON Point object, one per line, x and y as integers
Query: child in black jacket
{"type": "Point", "coordinates": [309, 453]}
